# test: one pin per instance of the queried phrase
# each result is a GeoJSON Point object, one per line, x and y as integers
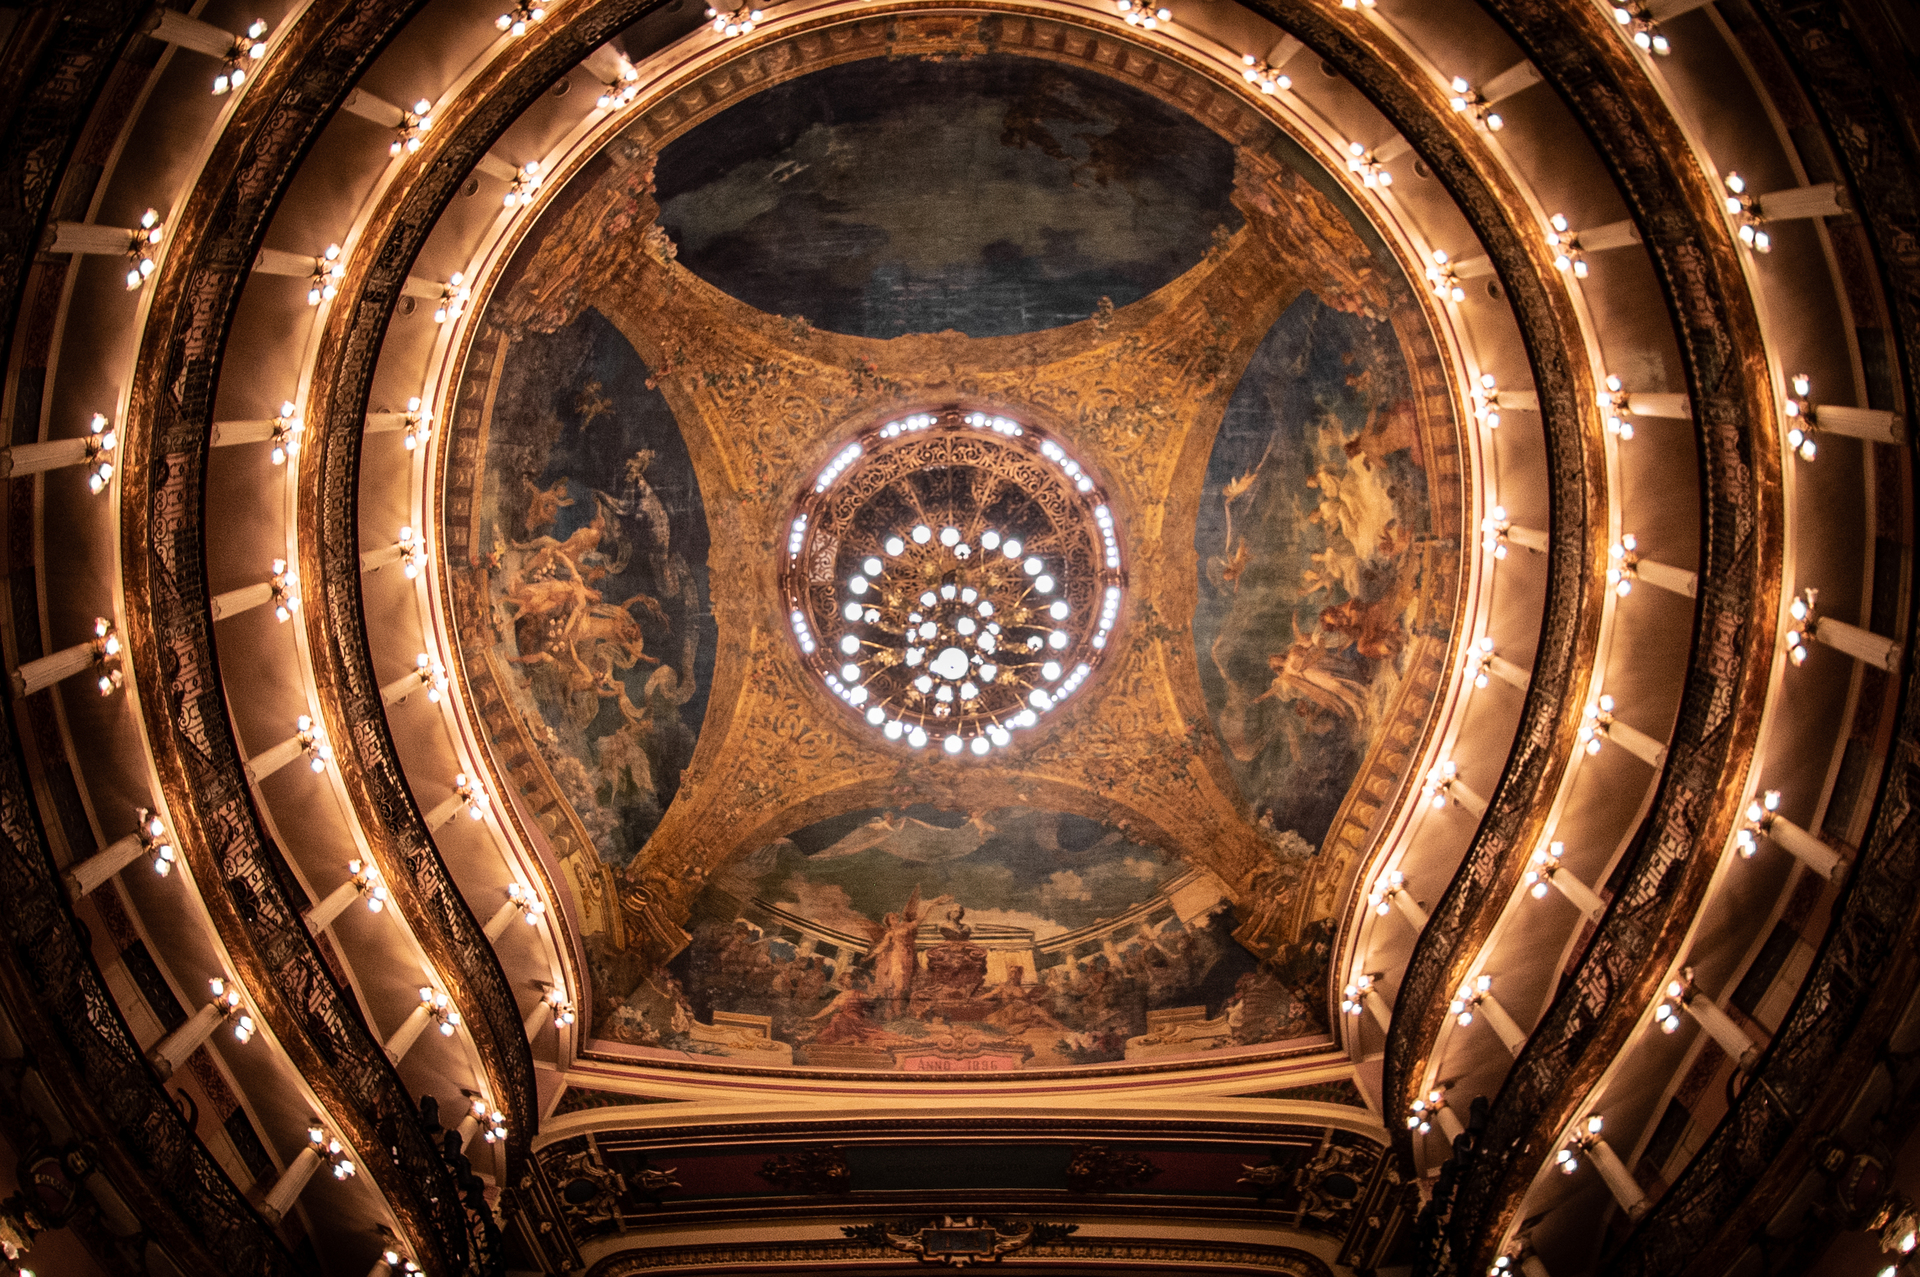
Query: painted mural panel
{"type": "Point", "coordinates": [916, 939]}
{"type": "Point", "coordinates": [1311, 537]}
{"type": "Point", "coordinates": [596, 579]}
{"type": "Point", "coordinates": [990, 195]}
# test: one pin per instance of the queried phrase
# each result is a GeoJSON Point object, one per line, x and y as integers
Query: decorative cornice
{"type": "Point", "coordinates": [1098, 1255]}
{"type": "Point", "coordinates": [250, 893]}
{"type": "Point", "coordinates": [1673, 856]}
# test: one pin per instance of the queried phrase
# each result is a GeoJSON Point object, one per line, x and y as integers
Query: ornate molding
{"type": "Point", "coordinates": [1096, 1255]}
{"type": "Point", "coordinates": [250, 895]}
{"type": "Point", "coordinates": [1663, 881]}
{"type": "Point", "coordinates": [1861, 980]}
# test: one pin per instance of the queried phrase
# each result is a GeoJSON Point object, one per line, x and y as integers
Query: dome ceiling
{"type": "Point", "coordinates": [726, 313]}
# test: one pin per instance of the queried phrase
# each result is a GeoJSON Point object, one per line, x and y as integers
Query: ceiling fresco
{"type": "Point", "coordinates": [990, 195]}
{"type": "Point", "coordinates": [755, 876]}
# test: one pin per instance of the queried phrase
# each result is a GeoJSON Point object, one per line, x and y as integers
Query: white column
{"type": "Point", "coordinates": [502, 917]}
{"type": "Point", "coordinates": [446, 811]}
{"type": "Point", "coordinates": [1809, 850]}
{"type": "Point", "coordinates": [286, 1190]}
{"type": "Point", "coordinates": [1528, 538]}
{"type": "Point", "coordinates": [104, 864]}
{"type": "Point", "coordinates": [1797, 202]}
{"type": "Point", "coordinates": [1862, 645]}
{"type": "Point", "coordinates": [85, 238]}
{"type": "Point", "coordinates": [244, 599]}
{"type": "Point", "coordinates": [321, 916]}
{"type": "Point", "coordinates": [1409, 909]}
{"type": "Point", "coordinates": [1531, 1266]}
{"type": "Point", "coordinates": [1506, 671]}
{"type": "Point", "coordinates": [1450, 1123]}
{"type": "Point", "coordinates": [1638, 743]}
{"type": "Point", "coordinates": [265, 764]}
{"type": "Point", "coordinates": [374, 560]}
{"type": "Point", "coordinates": [408, 1033]}
{"type": "Point", "coordinates": [278, 261]}
{"type": "Point", "coordinates": [37, 458]}
{"type": "Point", "coordinates": [1643, 404]}
{"type": "Point", "coordinates": [1731, 1037]}
{"type": "Point", "coordinates": [1509, 82]}
{"type": "Point", "coordinates": [1622, 234]}
{"type": "Point", "coordinates": [176, 28]}
{"type": "Point", "coordinates": [1515, 400]}
{"type": "Point", "coordinates": [1875, 424]}
{"type": "Point", "coordinates": [42, 673]}
{"type": "Point", "coordinates": [170, 1052]}
{"type": "Point", "coordinates": [1619, 1180]}
{"type": "Point", "coordinates": [1462, 793]}
{"type": "Point", "coordinates": [468, 1128]}
{"type": "Point", "coordinates": [368, 107]}
{"type": "Point", "coordinates": [1377, 1007]}
{"type": "Point", "coordinates": [1502, 1024]}
{"type": "Point", "coordinates": [1578, 892]}
{"type": "Point", "coordinates": [1284, 52]}
{"type": "Point", "coordinates": [537, 1018]}
{"type": "Point", "coordinates": [1674, 580]}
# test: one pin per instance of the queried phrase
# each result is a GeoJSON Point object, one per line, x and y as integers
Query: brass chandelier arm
{"type": "Point", "coordinates": [1545, 742]}
{"type": "Point", "coordinates": [1673, 856]}
{"type": "Point", "coordinates": [348, 691]}
{"type": "Point", "coordinates": [169, 622]}
{"type": "Point", "coordinates": [1862, 977]}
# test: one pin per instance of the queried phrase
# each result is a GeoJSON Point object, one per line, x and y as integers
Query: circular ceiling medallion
{"type": "Point", "coordinates": [951, 577]}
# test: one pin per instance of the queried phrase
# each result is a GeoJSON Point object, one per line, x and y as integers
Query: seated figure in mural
{"type": "Point", "coordinates": [849, 1017]}
{"type": "Point", "coordinates": [1020, 1006]}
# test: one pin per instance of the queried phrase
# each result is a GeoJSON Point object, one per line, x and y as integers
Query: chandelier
{"type": "Point", "coordinates": [952, 578]}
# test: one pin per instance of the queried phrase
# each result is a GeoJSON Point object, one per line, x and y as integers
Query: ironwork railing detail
{"type": "Point", "coordinates": [247, 885]}
{"type": "Point", "coordinates": [1817, 1051]}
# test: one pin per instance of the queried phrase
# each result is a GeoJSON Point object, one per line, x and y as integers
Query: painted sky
{"type": "Point", "coordinates": [991, 195]}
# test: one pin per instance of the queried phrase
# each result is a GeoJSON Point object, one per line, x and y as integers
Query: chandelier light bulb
{"type": "Point", "coordinates": [1148, 17]}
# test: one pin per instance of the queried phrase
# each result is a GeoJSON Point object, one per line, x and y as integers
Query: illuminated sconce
{"type": "Point", "coordinates": [1749, 225]}
{"type": "Point", "coordinates": [419, 424]}
{"type": "Point", "coordinates": [140, 248]}
{"type": "Point", "coordinates": [412, 124]}
{"type": "Point", "coordinates": [106, 657]}
{"type": "Point", "coordinates": [621, 90]}
{"type": "Point", "coordinates": [1546, 863]}
{"type": "Point", "coordinates": [1595, 723]}
{"type": "Point", "coordinates": [1616, 403]}
{"type": "Point", "coordinates": [328, 269]}
{"type": "Point", "coordinates": [1390, 884]}
{"type": "Point", "coordinates": [454, 295]}
{"type": "Point", "coordinates": [154, 843]}
{"type": "Point", "coordinates": [1423, 1113]}
{"type": "Point", "coordinates": [1444, 283]}
{"type": "Point", "coordinates": [312, 743]}
{"type": "Point", "coordinates": [1469, 997]}
{"type": "Point", "coordinates": [1568, 1158]}
{"type": "Point", "coordinates": [1354, 1000]}
{"type": "Point", "coordinates": [439, 1008]}
{"type": "Point", "coordinates": [432, 675]}
{"type": "Point", "coordinates": [248, 48]}
{"type": "Point", "coordinates": [470, 793]}
{"type": "Point", "coordinates": [226, 996]}
{"type": "Point", "coordinates": [526, 181]}
{"type": "Point", "coordinates": [1498, 532]}
{"type": "Point", "coordinates": [1623, 565]}
{"type": "Point", "coordinates": [734, 22]}
{"type": "Point", "coordinates": [284, 586]}
{"type": "Point", "coordinates": [531, 907]}
{"type": "Point", "coordinates": [287, 429]}
{"type": "Point", "coordinates": [1357, 4]}
{"type": "Point", "coordinates": [1468, 101]}
{"type": "Point", "coordinates": [1267, 79]}
{"type": "Point", "coordinates": [1363, 165]}
{"type": "Point", "coordinates": [367, 881]}
{"type": "Point", "coordinates": [562, 1009]}
{"type": "Point", "coordinates": [1802, 419]}
{"type": "Point", "coordinates": [102, 439]}
{"type": "Point", "coordinates": [1638, 23]}
{"type": "Point", "coordinates": [493, 1123]}
{"type": "Point", "coordinates": [413, 552]}
{"type": "Point", "coordinates": [516, 20]}
{"type": "Point", "coordinates": [330, 1151]}
{"type": "Point", "coordinates": [1806, 621]}
{"type": "Point", "coordinates": [1145, 16]}
{"type": "Point", "coordinates": [1486, 397]}
{"type": "Point", "coordinates": [1565, 243]}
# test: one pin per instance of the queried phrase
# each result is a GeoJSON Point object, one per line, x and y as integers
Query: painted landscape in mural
{"type": "Point", "coordinates": [1310, 542]}
{"type": "Point", "coordinates": [917, 939]}
{"type": "Point", "coordinates": [596, 576]}
{"type": "Point", "coordinates": [989, 195]}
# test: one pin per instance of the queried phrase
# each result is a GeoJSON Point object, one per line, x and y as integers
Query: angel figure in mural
{"type": "Point", "coordinates": [893, 951]}
{"type": "Point", "coordinates": [544, 504]}
{"type": "Point", "coordinates": [908, 838]}
{"type": "Point", "coordinates": [1305, 672]}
